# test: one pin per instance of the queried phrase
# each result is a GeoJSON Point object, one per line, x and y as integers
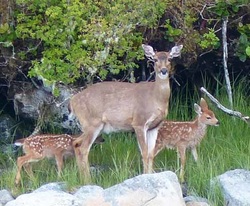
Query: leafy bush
{"type": "Point", "coordinates": [85, 38]}
{"type": "Point", "coordinates": [209, 40]}
{"type": "Point", "coordinates": [243, 46]}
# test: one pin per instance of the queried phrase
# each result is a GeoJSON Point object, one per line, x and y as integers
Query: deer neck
{"type": "Point", "coordinates": [201, 128]}
{"type": "Point", "coordinates": [161, 92]}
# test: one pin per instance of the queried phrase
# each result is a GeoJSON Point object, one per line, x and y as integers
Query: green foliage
{"type": "Point", "coordinates": [243, 46]}
{"type": "Point", "coordinates": [232, 9]}
{"type": "Point", "coordinates": [209, 40]}
{"type": "Point", "coordinates": [172, 33]}
{"type": "Point", "coordinates": [85, 38]}
{"type": "Point", "coordinates": [196, 17]}
{"type": "Point", "coordinates": [4, 28]}
{"type": "Point", "coordinates": [248, 51]}
{"type": "Point", "coordinates": [7, 33]}
{"type": "Point", "coordinates": [225, 8]}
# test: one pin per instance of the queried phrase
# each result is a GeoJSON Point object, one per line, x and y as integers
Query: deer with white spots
{"type": "Point", "coordinates": [38, 147]}
{"type": "Point", "coordinates": [121, 106]}
{"type": "Point", "coordinates": [184, 135]}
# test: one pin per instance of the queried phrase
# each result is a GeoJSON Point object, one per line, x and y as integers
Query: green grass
{"type": "Point", "coordinates": [224, 148]}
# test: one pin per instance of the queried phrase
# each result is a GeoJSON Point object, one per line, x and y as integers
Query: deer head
{"type": "Point", "coordinates": [162, 60]}
{"type": "Point", "coordinates": [205, 115]}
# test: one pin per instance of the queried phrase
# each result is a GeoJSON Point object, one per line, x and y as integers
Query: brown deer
{"type": "Point", "coordinates": [114, 106]}
{"type": "Point", "coordinates": [184, 135]}
{"type": "Point", "coordinates": [37, 147]}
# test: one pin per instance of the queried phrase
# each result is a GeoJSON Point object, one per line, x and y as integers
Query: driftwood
{"type": "Point", "coordinates": [224, 109]}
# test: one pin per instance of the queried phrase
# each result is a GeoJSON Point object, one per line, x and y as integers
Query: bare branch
{"type": "Point", "coordinates": [225, 57]}
{"type": "Point", "coordinates": [224, 109]}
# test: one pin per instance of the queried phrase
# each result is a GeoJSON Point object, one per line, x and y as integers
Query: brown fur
{"type": "Point", "coordinates": [38, 147]}
{"type": "Point", "coordinates": [184, 135]}
{"type": "Point", "coordinates": [115, 106]}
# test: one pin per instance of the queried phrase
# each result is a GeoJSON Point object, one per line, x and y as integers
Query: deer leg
{"type": "Point", "coordinates": [90, 134]}
{"type": "Point", "coordinates": [26, 159]}
{"type": "Point", "coordinates": [19, 167]}
{"type": "Point", "coordinates": [141, 138]}
{"type": "Point", "coordinates": [182, 153]}
{"type": "Point", "coordinates": [76, 146]}
{"type": "Point", "coordinates": [59, 163]}
{"type": "Point", "coordinates": [194, 153]}
{"type": "Point", "coordinates": [151, 140]}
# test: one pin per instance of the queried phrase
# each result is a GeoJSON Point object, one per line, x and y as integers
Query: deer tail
{"type": "Point", "coordinates": [19, 142]}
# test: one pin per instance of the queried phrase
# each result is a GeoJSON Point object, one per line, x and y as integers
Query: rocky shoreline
{"type": "Point", "coordinates": [159, 189]}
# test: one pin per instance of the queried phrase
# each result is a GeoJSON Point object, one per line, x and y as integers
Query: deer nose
{"type": "Point", "coordinates": [218, 123]}
{"type": "Point", "coordinates": [164, 71]}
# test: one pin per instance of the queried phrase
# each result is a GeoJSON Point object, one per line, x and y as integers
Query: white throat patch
{"type": "Point", "coordinates": [163, 76]}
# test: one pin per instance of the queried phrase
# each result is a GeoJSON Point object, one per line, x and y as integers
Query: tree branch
{"type": "Point", "coordinates": [224, 109]}
{"type": "Point", "coordinates": [225, 57]}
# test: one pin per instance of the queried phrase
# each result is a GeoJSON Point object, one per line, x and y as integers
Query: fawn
{"type": "Point", "coordinates": [37, 147]}
{"type": "Point", "coordinates": [183, 135]}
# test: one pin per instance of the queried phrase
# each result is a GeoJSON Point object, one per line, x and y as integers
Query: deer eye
{"type": "Point", "coordinates": [209, 117]}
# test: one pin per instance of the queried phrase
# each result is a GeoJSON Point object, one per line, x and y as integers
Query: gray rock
{"type": "Point", "coordinates": [37, 103]}
{"type": "Point", "coordinates": [195, 201]}
{"type": "Point", "coordinates": [88, 192]}
{"type": "Point", "coordinates": [29, 103]}
{"type": "Point", "coordinates": [65, 119]}
{"type": "Point", "coordinates": [5, 196]}
{"type": "Point", "coordinates": [55, 186]}
{"type": "Point", "coordinates": [48, 198]}
{"type": "Point", "coordinates": [235, 186]}
{"type": "Point", "coordinates": [8, 129]}
{"type": "Point", "coordinates": [148, 189]}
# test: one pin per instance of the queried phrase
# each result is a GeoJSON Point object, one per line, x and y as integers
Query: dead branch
{"type": "Point", "coordinates": [224, 109]}
{"type": "Point", "coordinates": [225, 57]}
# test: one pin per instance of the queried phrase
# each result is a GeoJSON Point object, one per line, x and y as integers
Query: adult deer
{"type": "Point", "coordinates": [37, 147]}
{"type": "Point", "coordinates": [114, 106]}
{"type": "Point", "coordinates": [184, 135]}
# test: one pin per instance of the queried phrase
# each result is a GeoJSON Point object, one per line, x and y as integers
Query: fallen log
{"type": "Point", "coordinates": [224, 109]}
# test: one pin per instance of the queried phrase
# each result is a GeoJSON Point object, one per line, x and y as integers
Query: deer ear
{"type": "Point", "coordinates": [203, 104]}
{"type": "Point", "coordinates": [197, 109]}
{"type": "Point", "coordinates": [148, 51]}
{"type": "Point", "coordinates": [176, 51]}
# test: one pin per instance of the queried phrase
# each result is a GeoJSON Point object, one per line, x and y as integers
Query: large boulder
{"type": "Point", "coordinates": [48, 198]}
{"type": "Point", "coordinates": [5, 196]}
{"type": "Point", "coordinates": [52, 194]}
{"type": "Point", "coordinates": [235, 186]}
{"type": "Point", "coordinates": [90, 194]}
{"type": "Point", "coordinates": [196, 201]}
{"type": "Point", "coordinates": [39, 105]}
{"type": "Point", "coordinates": [148, 189]}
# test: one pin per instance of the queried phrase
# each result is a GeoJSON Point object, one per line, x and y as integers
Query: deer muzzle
{"type": "Point", "coordinates": [217, 123]}
{"type": "Point", "coordinates": [164, 71]}
{"type": "Point", "coordinates": [163, 74]}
